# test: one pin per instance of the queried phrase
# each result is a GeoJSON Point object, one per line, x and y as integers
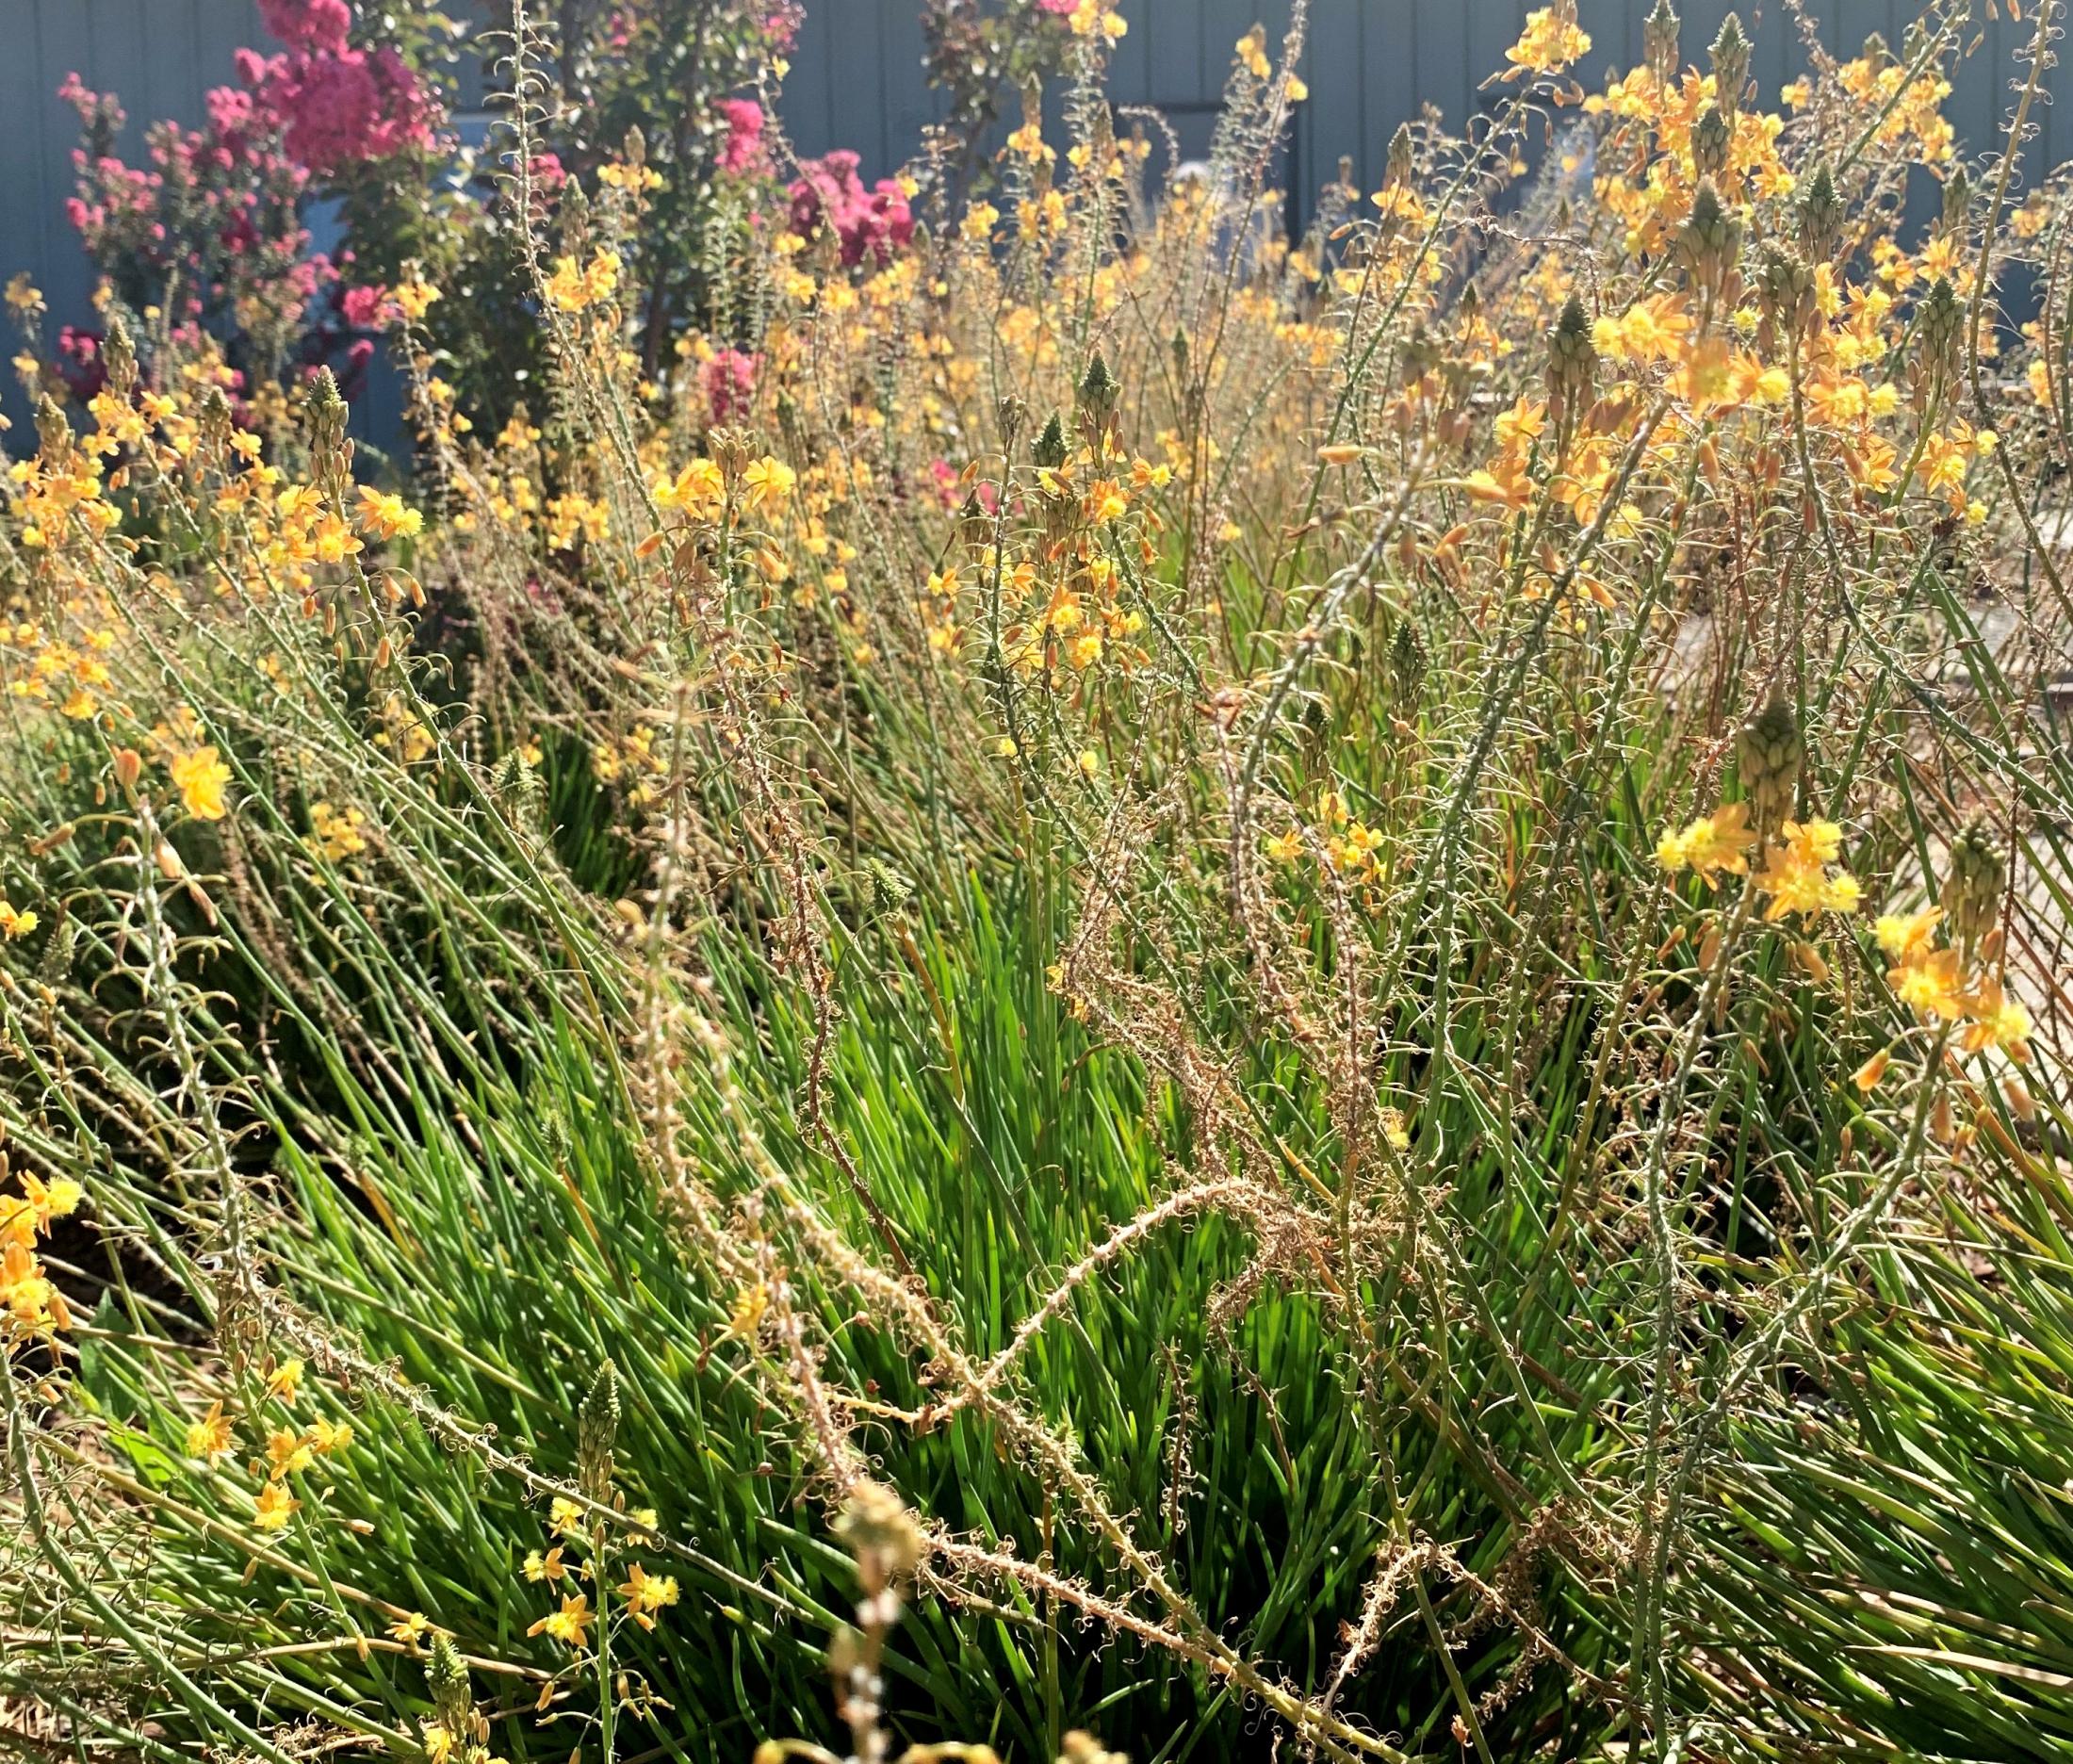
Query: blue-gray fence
{"type": "Point", "coordinates": [857, 79]}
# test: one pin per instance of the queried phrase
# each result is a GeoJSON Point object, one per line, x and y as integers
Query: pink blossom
{"type": "Point", "coordinates": [829, 192]}
{"type": "Point", "coordinates": [321, 26]}
{"type": "Point", "coordinates": [79, 362]}
{"type": "Point", "coordinates": [743, 146]}
{"type": "Point", "coordinates": [337, 109]}
{"type": "Point", "coordinates": [730, 382]}
{"type": "Point", "coordinates": [364, 307]}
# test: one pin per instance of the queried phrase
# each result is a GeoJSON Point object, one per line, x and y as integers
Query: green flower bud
{"type": "Point", "coordinates": [1769, 750]}
{"type": "Point", "coordinates": [1406, 669]}
{"type": "Point", "coordinates": [1403, 156]}
{"type": "Point", "coordinates": [1659, 50]}
{"type": "Point", "coordinates": [1710, 243]}
{"type": "Point", "coordinates": [447, 1682]}
{"type": "Point", "coordinates": [1821, 215]}
{"type": "Point", "coordinates": [119, 356]}
{"type": "Point", "coordinates": [1730, 57]}
{"type": "Point", "coordinates": [1712, 141]}
{"type": "Point", "coordinates": [1957, 193]}
{"type": "Point", "coordinates": [1940, 330]}
{"type": "Point", "coordinates": [1049, 449]}
{"type": "Point", "coordinates": [1098, 389]}
{"type": "Point", "coordinates": [882, 1535]}
{"type": "Point", "coordinates": [1972, 889]}
{"type": "Point", "coordinates": [1785, 293]}
{"type": "Point", "coordinates": [1572, 360]}
{"type": "Point", "coordinates": [596, 1427]}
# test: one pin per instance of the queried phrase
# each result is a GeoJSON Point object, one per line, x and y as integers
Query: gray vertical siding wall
{"type": "Point", "coordinates": [857, 80]}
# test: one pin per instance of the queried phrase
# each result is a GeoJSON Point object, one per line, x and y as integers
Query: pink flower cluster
{"type": "Point", "coordinates": [730, 382]}
{"type": "Point", "coordinates": [336, 106]}
{"type": "Point", "coordinates": [743, 150]}
{"type": "Point", "coordinates": [236, 196]}
{"type": "Point", "coordinates": [830, 193]}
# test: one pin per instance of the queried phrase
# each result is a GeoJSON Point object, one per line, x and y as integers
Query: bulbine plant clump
{"type": "Point", "coordinates": [1048, 969]}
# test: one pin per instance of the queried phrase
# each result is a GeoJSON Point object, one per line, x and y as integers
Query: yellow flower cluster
{"type": "Point", "coordinates": [1796, 877]}
{"type": "Point", "coordinates": [31, 1307]}
{"type": "Point", "coordinates": [1551, 41]}
{"type": "Point", "coordinates": [1932, 980]}
{"type": "Point", "coordinates": [574, 289]}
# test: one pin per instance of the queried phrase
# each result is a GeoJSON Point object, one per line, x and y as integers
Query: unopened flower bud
{"type": "Point", "coordinates": [1098, 392]}
{"type": "Point", "coordinates": [1786, 295]}
{"type": "Point", "coordinates": [1710, 242]}
{"type": "Point", "coordinates": [1730, 56]}
{"type": "Point", "coordinates": [1712, 141]}
{"type": "Point", "coordinates": [1769, 749]}
{"type": "Point", "coordinates": [1957, 193]}
{"type": "Point", "coordinates": [215, 420]}
{"type": "Point", "coordinates": [1821, 216]}
{"type": "Point", "coordinates": [1941, 324]}
{"type": "Point", "coordinates": [1049, 450]}
{"type": "Point", "coordinates": [1406, 669]}
{"type": "Point", "coordinates": [1572, 361]}
{"type": "Point", "coordinates": [447, 1681]}
{"type": "Point", "coordinates": [596, 1427]}
{"type": "Point", "coordinates": [1972, 889]}
{"type": "Point", "coordinates": [119, 356]}
{"type": "Point", "coordinates": [1659, 50]}
{"type": "Point", "coordinates": [1402, 158]}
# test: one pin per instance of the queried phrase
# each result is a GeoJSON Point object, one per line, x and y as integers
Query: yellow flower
{"type": "Point", "coordinates": [210, 1437]}
{"type": "Point", "coordinates": [1285, 847]}
{"type": "Point", "coordinates": [438, 1743]}
{"type": "Point", "coordinates": [749, 1306]}
{"type": "Point", "coordinates": [328, 1438]}
{"type": "Point", "coordinates": [572, 289]}
{"type": "Point", "coordinates": [29, 1305]}
{"type": "Point", "coordinates": [1997, 1023]}
{"type": "Point", "coordinates": [565, 1516]}
{"type": "Point", "coordinates": [1905, 935]}
{"type": "Point", "coordinates": [1551, 41]}
{"type": "Point", "coordinates": [411, 1628]}
{"type": "Point", "coordinates": [16, 921]}
{"type": "Point", "coordinates": [569, 1623]}
{"type": "Point", "coordinates": [287, 1451]}
{"type": "Point", "coordinates": [1712, 844]}
{"type": "Point", "coordinates": [1795, 877]}
{"type": "Point", "coordinates": [388, 516]}
{"type": "Point", "coordinates": [698, 490]}
{"type": "Point", "coordinates": [547, 1567]}
{"type": "Point", "coordinates": [646, 1594]}
{"type": "Point", "coordinates": [26, 1218]}
{"type": "Point", "coordinates": [201, 774]}
{"type": "Point", "coordinates": [286, 1381]}
{"type": "Point", "coordinates": [766, 482]}
{"type": "Point", "coordinates": [1930, 984]}
{"type": "Point", "coordinates": [272, 1510]}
